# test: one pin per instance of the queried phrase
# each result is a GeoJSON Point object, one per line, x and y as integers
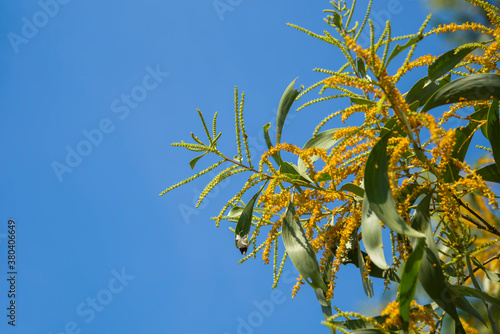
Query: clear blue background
{"type": "Point", "coordinates": [76, 231]}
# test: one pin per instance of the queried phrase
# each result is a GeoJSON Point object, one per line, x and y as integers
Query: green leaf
{"type": "Point", "coordinates": [378, 192]}
{"type": "Point", "coordinates": [367, 283]}
{"type": "Point", "coordinates": [493, 131]}
{"type": "Point", "coordinates": [463, 137]}
{"type": "Point", "coordinates": [478, 288]}
{"type": "Point", "coordinates": [323, 140]}
{"type": "Point", "coordinates": [269, 144]}
{"type": "Point", "coordinates": [409, 281]}
{"type": "Point", "coordinates": [490, 173]}
{"type": "Point", "coordinates": [244, 224]}
{"type": "Point", "coordinates": [337, 21]}
{"type": "Point", "coordinates": [418, 95]}
{"type": "Point", "coordinates": [300, 250]}
{"type": "Point", "coordinates": [471, 88]}
{"type": "Point", "coordinates": [471, 292]}
{"type": "Point", "coordinates": [285, 104]}
{"type": "Point", "coordinates": [489, 274]}
{"type": "Point", "coordinates": [235, 212]}
{"type": "Point", "coordinates": [356, 190]}
{"type": "Point", "coordinates": [400, 48]}
{"type": "Point", "coordinates": [360, 101]}
{"type": "Point", "coordinates": [431, 274]}
{"type": "Point", "coordinates": [372, 235]}
{"type": "Point", "coordinates": [193, 162]}
{"type": "Point", "coordinates": [447, 61]}
{"type": "Point", "coordinates": [357, 324]}
{"type": "Point", "coordinates": [361, 68]}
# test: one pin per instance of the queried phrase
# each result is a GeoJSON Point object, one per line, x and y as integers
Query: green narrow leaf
{"type": "Point", "coordinates": [493, 131]}
{"type": "Point", "coordinates": [431, 274]}
{"type": "Point", "coordinates": [372, 235]}
{"type": "Point", "coordinates": [489, 274]}
{"type": "Point", "coordinates": [269, 144]}
{"type": "Point", "coordinates": [285, 104]}
{"type": "Point", "coordinates": [361, 68]}
{"type": "Point", "coordinates": [409, 281]}
{"type": "Point", "coordinates": [300, 250]}
{"type": "Point", "coordinates": [470, 88]}
{"type": "Point", "coordinates": [421, 91]}
{"type": "Point", "coordinates": [323, 140]}
{"type": "Point", "coordinates": [490, 173]}
{"type": "Point", "coordinates": [244, 224]}
{"type": "Point", "coordinates": [367, 283]}
{"type": "Point", "coordinates": [471, 292]}
{"type": "Point", "coordinates": [378, 192]}
{"type": "Point", "coordinates": [356, 190]}
{"type": "Point", "coordinates": [400, 48]}
{"type": "Point", "coordinates": [193, 162]}
{"type": "Point", "coordinates": [463, 137]}
{"type": "Point", "coordinates": [447, 61]}
{"type": "Point", "coordinates": [360, 101]}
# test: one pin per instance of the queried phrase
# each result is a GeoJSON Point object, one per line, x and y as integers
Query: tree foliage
{"type": "Point", "coordinates": [401, 171]}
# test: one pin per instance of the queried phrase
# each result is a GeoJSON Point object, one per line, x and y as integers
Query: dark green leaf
{"type": "Point", "coordinates": [490, 173]}
{"type": "Point", "coordinates": [409, 281]}
{"type": "Point", "coordinates": [323, 140]}
{"type": "Point", "coordinates": [358, 324]}
{"type": "Point", "coordinates": [400, 48]}
{"type": "Point", "coordinates": [285, 104]}
{"type": "Point", "coordinates": [446, 62]}
{"type": "Point", "coordinates": [418, 95]}
{"type": "Point", "coordinates": [493, 131]}
{"type": "Point", "coordinates": [372, 235]}
{"type": "Point", "coordinates": [244, 224]}
{"type": "Point", "coordinates": [193, 162]}
{"type": "Point", "coordinates": [367, 283]}
{"type": "Point", "coordinates": [491, 275]}
{"type": "Point", "coordinates": [361, 68]}
{"type": "Point", "coordinates": [471, 292]}
{"type": "Point", "coordinates": [356, 190]}
{"type": "Point", "coordinates": [300, 250]}
{"type": "Point", "coordinates": [378, 192]}
{"type": "Point", "coordinates": [269, 144]}
{"type": "Point", "coordinates": [470, 88]}
{"type": "Point", "coordinates": [337, 21]}
{"type": "Point", "coordinates": [360, 101]}
{"type": "Point", "coordinates": [463, 137]}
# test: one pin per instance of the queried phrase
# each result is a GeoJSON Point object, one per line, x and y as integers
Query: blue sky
{"type": "Point", "coordinates": [98, 251]}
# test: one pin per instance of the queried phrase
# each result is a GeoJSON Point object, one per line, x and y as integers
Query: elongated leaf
{"type": "Point", "coordinates": [489, 274]}
{"type": "Point", "coordinates": [378, 192]}
{"type": "Point", "coordinates": [361, 101]}
{"type": "Point", "coordinates": [490, 173]}
{"type": "Point", "coordinates": [323, 140]}
{"type": "Point", "coordinates": [356, 190]}
{"type": "Point", "coordinates": [400, 48]}
{"type": "Point", "coordinates": [361, 68]}
{"type": "Point", "coordinates": [409, 281]}
{"type": "Point", "coordinates": [358, 323]}
{"type": "Point", "coordinates": [193, 162]}
{"type": "Point", "coordinates": [463, 137]}
{"type": "Point", "coordinates": [431, 274]}
{"type": "Point", "coordinates": [470, 88]}
{"type": "Point", "coordinates": [493, 127]}
{"type": "Point", "coordinates": [372, 235]}
{"type": "Point", "coordinates": [447, 61]}
{"type": "Point", "coordinates": [367, 283]}
{"type": "Point", "coordinates": [269, 145]}
{"type": "Point", "coordinates": [286, 102]}
{"type": "Point", "coordinates": [418, 95]}
{"type": "Point", "coordinates": [476, 285]}
{"type": "Point", "coordinates": [471, 292]}
{"type": "Point", "coordinates": [244, 224]}
{"type": "Point", "coordinates": [300, 250]}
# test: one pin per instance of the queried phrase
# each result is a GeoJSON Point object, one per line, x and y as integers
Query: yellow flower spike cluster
{"type": "Point", "coordinates": [420, 153]}
{"type": "Point", "coordinates": [418, 315]}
